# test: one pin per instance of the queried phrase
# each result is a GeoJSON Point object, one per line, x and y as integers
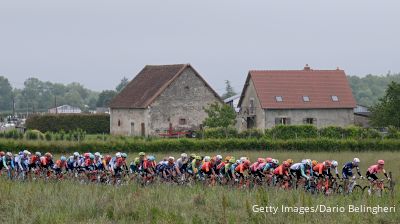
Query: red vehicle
{"type": "Point", "coordinates": [171, 133]}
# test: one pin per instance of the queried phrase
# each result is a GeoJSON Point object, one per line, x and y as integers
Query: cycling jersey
{"type": "Point", "coordinates": [299, 169]}
{"type": "Point", "coordinates": [374, 169]}
{"type": "Point", "coordinates": [320, 169]}
{"type": "Point", "coordinates": [347, 170]}
{"type": "Point", "coordinates": [281, 170]}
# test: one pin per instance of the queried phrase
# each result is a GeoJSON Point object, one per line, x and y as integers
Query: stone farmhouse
{"type": "Point", "coordinates": [160, 98]}
{"type": "Point", "coordinates": [317, 97]}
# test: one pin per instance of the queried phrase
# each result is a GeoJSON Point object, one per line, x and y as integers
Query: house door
{"type": "Point", "coordinates": [250, 122]}
{"type": "Point", "coordinates": [132, 129]}
{"type": "Point", "coordinates": [143, 130]}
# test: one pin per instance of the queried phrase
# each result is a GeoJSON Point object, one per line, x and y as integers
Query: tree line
{"type": "Point", "coordinates": [39, 96]}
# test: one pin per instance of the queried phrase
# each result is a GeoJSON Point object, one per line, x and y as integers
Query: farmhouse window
{"type": "Point", "coordinates": [182, 121]}
{"type": "Point", "coordinates": [282, 121]}
{"type": "Point", "coordinates": [279, 98]}
{"type": "Point", "coordinates": [119, 123]}
{"type": "Point", "coordinates": [335, 98]}
{"type": "Point", "coordinates": [309, 120]}
{"type": "Point", "coordinates": [251, 109]}
{"type": "Point", "coordinates": [306, 98]}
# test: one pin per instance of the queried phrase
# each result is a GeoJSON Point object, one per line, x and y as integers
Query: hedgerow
{"type": "Point", "coordinates": [90, 123]}
{"type": "Point", "coordinates": [191, 145]}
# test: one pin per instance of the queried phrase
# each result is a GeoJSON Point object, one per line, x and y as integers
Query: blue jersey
{"type": "Point", "coordinates": [347, 170]}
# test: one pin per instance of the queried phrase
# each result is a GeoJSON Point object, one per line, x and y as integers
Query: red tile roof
{"type": "Point", "coordinates": [149, 84]}
{"type": "Point", "coordinates": [292, 85]}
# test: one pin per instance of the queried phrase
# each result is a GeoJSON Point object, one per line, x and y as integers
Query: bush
{"type": "Point", "coordinates": [332, 132]}
{"type": "Point", "coordinates": [393, 133]}
{"type": "Point", "coordinates": [34, 135]}
{"type": "Point", "coordinates": [230, 132]}
{"type": "Point", "coordinates": [14, 134]}
{"type": "Point", "coordinates": [206, 145]}
{"type": "Point", "coordinates": [292, 132]}
{"type": "Point", "coordinates": [90, 123]}
{"type": "Point", "coordinates": [251, 133]}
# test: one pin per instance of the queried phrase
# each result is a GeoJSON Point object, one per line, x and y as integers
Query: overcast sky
{"type": "Point", "coordinates": [98, 42]}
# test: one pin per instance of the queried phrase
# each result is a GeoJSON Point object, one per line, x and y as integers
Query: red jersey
{"type": "Point", "coordinates": [281, 170]}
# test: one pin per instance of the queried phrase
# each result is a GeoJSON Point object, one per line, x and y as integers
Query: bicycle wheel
{"type": "Point", "coordinates": [339, 189]}
{"type": "Point", "coordinates": [357, 189]}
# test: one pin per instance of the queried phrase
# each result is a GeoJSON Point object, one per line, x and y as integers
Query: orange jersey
{"type": "Point", "coordinates": [206, 167]}
{"type": "Point", "coordinates": [148, 164]}
{"type": "Point", "coordinates": [60, 164]}
{"type": "Point", "coordinates": [319, 168]}
{"type": "Point", "coordinates": [281, 170]}
{"type": "Point", "coordinates": [34, 159]}
{"type": "Point", "coordinates": [44, 160]}
{"type": "Point", "coordinates": [241, 168]}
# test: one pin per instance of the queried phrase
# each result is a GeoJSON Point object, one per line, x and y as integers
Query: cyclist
{"type": "Point", "coordinates": [334, 166]}
{"type": "Point", "coordinates": [8, 163]}
{"type": "Point", "coordinates": [320, 170]}
{"type": "Point", "coordinates": [299, 170]}
{"type": "Point", "coordinates": [282, 171]}
{"type": "Point", "coordinates": [269, 167]}
{"type": "Point", "coordinates": [256, 169]}
{"type": "Point", "coordinates": [347, 171]}
{"type": "Point", "coordinates": [46, 161]}
{"type": "Point", "coordinates": [375, 169]}
{"type": "Point", "coordinates": [34, 161]}
{"type": "Point", "coordinates": [73, 162]}
{"type": "Point", "coordinates": [170, 169]}
{"type": "Point", "coordinates": [60, 165]}
{"type": "Point", "coordinates": [182, 162]}
{"type": "Point", "coordinates": [242, 169]}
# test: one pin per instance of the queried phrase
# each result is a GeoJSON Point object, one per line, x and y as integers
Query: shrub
{"type": "Point", "coordinates": [206, 145]}
{"type": "Point", "coordinates": [34, 135]}
{"type": "Point", "coordinates": [14, 134]}
{"type": "Point", "coordinates": [292, 131]}
{"type": "Point", "coordinates": [393, 133]}
{"type": "Point", "coordinates": [90, 123]}
{"type": "Point", "coordinates": [251, 133]}
{"type": "Point", "coordinates": [229, 132]}
{"type": "Point", "coordinates": [332, 132]}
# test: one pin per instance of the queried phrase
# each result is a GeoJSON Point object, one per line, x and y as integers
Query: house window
{"type": "Point", "coordinates": [182, 121]}
{"type": "Point", "coordinates": [306, 98]}
{"type": "Point", "coordinates": [309, 120]}
{"type": "Point", "coordinates": [251, 109]}
{"type": "Point", "coordinates": [282, 121]}
{"type": "Point", "coordinates": [335, 98]}
{"type": "Point", "coordinates": [119, 123]}
{"type": "Point", "coordinates": [278, 98]}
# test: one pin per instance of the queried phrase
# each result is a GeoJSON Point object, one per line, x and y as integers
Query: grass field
{"type": "Point", "coordinates": [74, 203]}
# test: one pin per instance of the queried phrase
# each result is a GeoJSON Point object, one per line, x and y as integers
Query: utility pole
{"type": "Point", "coordinates": [55, 104]}
{"type": "Point", "coordinates": [13, 107]}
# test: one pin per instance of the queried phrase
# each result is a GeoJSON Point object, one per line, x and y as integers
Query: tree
{"type": "Point", "coordinates": [122, 84]}
{"type": "Point", "coordinates": [387, 111]}
{"type": "Point", "coordinates": [220, 115]}
{"type": "Point", "coordinates": [6, 94]}
{"type": "Point", "coordinates": [105, 98]}
{"type": "Point", "coordinates": [229, 91]}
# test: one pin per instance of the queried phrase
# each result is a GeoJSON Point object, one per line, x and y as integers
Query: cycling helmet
{"type": "Point", "coordinates": [285, 164]}
{"type": "Point", "coordinates": [124, 155]}
{"type": "Point", "coordinates": [334, 163]}
{"type": "Point", "coordinates": [9, 154]}
{"type": "Point", "coordinates": [118, 155]}
{"type": "Point", "coordinates": [197, 157]}
{"type": "Point", "coordinates": [228, 158]}
{"type": "Point", "coordinates": [192, 155]}
{"type": "Point", "coordinates": [26, 152]}
{"type": "Point", "coordinates": [97, 154]}
{"type": "Point", "coordinates": [238, 161]}
{"type": "Point", "coordinates": [184, 155]}
{"type": "Point", "coordinates": [91, 156]}
{"type": "Point", "coordinates": [207, 159]}
{"type": "Point", "coordinates": [48, 155]}
{"type": "Point", "coordinates": [142, 154]}
{"type": "Point", "coordinates": [63, 158]}
{"type": "Point", "coordinates": [71, 158]}
{"type": "Point", "coordinates": [21, 153]}
{"type": "Point", "coordinates": [327, 163]}
{"type": "Point", "coordinates": [38, 154]}
{"type": "Point", "coordinates": [151, 158]}
{"type": "Point", "coordinates": [314, 162]}
{"type": "Point", "coordinates": [107, 158]}
{"type": "Point", "coordinates": [2, 153]}
{"type": "Point", "coordinates": [246, 162]}
{"type": "Point", "coordinates": [268, 160]}
{"type": "Point", "coordinates": [76, 154]}
{"type": "Point", "coordinates": [218, 158]}
{"type": "Point", "coordinates": [275, 161]}
{"type": "Point", "coordinates": [290, 161]}
{"type": "Point", "coordinates": [260, 160]}
{"type": "Point", "coordinates": [308, 162]}
{"type": "Point", "coordinates": [171, 158]}
{"type": "Point", "coordinates": [86, 155]}
{"type": "Point", "coordinates": [356, 160]}
{"type": "Point", "coordinates": [232, 160]}
{"type": "Point", "coordinates": [381, 162]}
{"type": "Point", "coordinates": [243, 159]}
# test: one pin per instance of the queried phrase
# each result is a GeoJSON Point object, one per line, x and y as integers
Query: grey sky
{"type": "Point", "coordinates": [97, 42]}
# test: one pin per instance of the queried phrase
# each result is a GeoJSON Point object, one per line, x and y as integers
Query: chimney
{"type": "Point", "coordinates": [307, 67]}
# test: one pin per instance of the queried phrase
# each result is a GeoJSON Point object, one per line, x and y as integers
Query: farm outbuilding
{"type": "Point", "coordinates": [159, 98]}
{"type": "Point", "coordinates": [283, 97]}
